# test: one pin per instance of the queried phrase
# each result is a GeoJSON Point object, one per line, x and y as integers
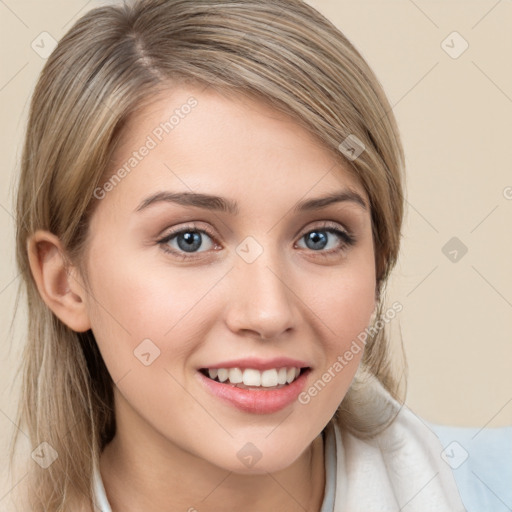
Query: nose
{"type": "Point", "coordinates": [262, 301]}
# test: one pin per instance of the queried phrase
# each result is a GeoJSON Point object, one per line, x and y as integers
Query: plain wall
{"type": "Point", "coordinates": [455, 117]}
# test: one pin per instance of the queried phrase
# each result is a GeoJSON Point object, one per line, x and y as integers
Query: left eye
{"type": "Point", "coordinates": [317, 240]}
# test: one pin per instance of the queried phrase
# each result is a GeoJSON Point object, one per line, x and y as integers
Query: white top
{"type": "Point", "coordinates": [399, 470]}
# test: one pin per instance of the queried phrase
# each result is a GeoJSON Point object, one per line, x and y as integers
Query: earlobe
{"type": "Point", "coordinates": [56, 281]}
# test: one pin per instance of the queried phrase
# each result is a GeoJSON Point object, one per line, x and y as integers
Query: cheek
{"type": "Point", "coordinates": [344, 301]}
{"type": "Point", "coordinates": [133, 301]}
{"type": "Point", "coordinates": [342, 305]}
{"type": "Point", "coordinates": [351, 310]}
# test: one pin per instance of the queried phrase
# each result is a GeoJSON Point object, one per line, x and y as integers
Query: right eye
{"type": "Point", "coordinates": [186, 240]}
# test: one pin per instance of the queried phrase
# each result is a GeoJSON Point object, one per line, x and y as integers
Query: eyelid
{"type": "Point", "coordinates": [326, 224]}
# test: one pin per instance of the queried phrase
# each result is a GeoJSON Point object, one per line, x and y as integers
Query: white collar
{"type": "Point", "coordinates": [398, 470]}
{"type": "Point", "coordinates": [100, 496]}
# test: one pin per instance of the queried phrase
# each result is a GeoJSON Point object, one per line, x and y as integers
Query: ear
{"type": "Point", "coordinates": [57, 281]}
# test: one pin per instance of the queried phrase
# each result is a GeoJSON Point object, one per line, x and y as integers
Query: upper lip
{"type": "Point", "coordinates": [259, 364]}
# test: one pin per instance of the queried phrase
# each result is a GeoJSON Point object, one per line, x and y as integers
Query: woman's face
{"type": "Point", "coordinates": [258, 279]}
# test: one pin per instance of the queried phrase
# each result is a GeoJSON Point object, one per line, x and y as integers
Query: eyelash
{"type": "Point", "coordinates": [347, 239]}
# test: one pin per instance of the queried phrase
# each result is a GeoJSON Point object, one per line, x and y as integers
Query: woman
{"type": "Point", "coordinates": [209, 207]}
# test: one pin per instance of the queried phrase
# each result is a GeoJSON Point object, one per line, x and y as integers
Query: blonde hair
{"type": "Point", "coordinates": [113, 60]}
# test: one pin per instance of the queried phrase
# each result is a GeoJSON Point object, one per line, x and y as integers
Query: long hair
{"type": "Point", "coordinates": [103, 70]}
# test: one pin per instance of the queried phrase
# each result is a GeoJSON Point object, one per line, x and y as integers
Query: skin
{"type": "Point", "coordinates": [176, 445]}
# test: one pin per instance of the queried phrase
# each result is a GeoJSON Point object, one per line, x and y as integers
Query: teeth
{"type": "Point", "coordinates": [235, 376]}
{"type": "Point", "coordinates": [222, 374]}
{"type": "Point", "coordinates": [281, 376]}
{"type": "Point", "coordinates": [251, 377]}
{"type": "Point", "coordinates": [269, 378]}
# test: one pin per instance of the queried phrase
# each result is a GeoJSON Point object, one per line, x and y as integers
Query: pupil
{"type": "Point", "coordinates": [193, 241]}
{"type": "Point", "coordinates": [317, 236]}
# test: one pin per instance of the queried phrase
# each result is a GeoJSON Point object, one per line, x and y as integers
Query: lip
{"type": "Point", "coordinates": [256, 401]}
{"type": "Point", "coordinates": [259, 364]}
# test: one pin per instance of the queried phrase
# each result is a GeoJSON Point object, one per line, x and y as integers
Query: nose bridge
{"type": "Point", "coordinates": [263, 301]}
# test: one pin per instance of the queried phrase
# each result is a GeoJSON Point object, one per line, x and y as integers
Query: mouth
{"type": "Point", "coordinates": [254, 391]}
{"type": "Point", "coordinates": [253, 379]}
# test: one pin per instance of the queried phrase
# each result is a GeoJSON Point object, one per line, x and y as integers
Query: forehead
{"type": "Point", "coordinates": [197, 139]}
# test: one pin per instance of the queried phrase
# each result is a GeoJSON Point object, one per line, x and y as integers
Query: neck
{"type": "Point", "coordinates": [154, 474]}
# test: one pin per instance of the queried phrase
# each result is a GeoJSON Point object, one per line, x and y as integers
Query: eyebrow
{"type": "Point", "coordinates": [221, 204]}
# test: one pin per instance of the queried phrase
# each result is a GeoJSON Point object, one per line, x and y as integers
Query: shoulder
{"type": "Point", "coordinates": [399, 468]}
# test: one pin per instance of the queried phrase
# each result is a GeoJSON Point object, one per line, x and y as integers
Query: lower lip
{"type": "Point", "coordinates": [257, 401]}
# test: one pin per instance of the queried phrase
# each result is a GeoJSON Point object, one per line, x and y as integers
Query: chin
{"type": "Point", "coordinates": [250, 458]}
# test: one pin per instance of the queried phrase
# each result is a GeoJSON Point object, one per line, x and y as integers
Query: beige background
{"type": "Point", "coordinates": [455, 115]}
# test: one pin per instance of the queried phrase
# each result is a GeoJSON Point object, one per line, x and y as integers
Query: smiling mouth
{"type": "Point", "coordinates": [250, 378]}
